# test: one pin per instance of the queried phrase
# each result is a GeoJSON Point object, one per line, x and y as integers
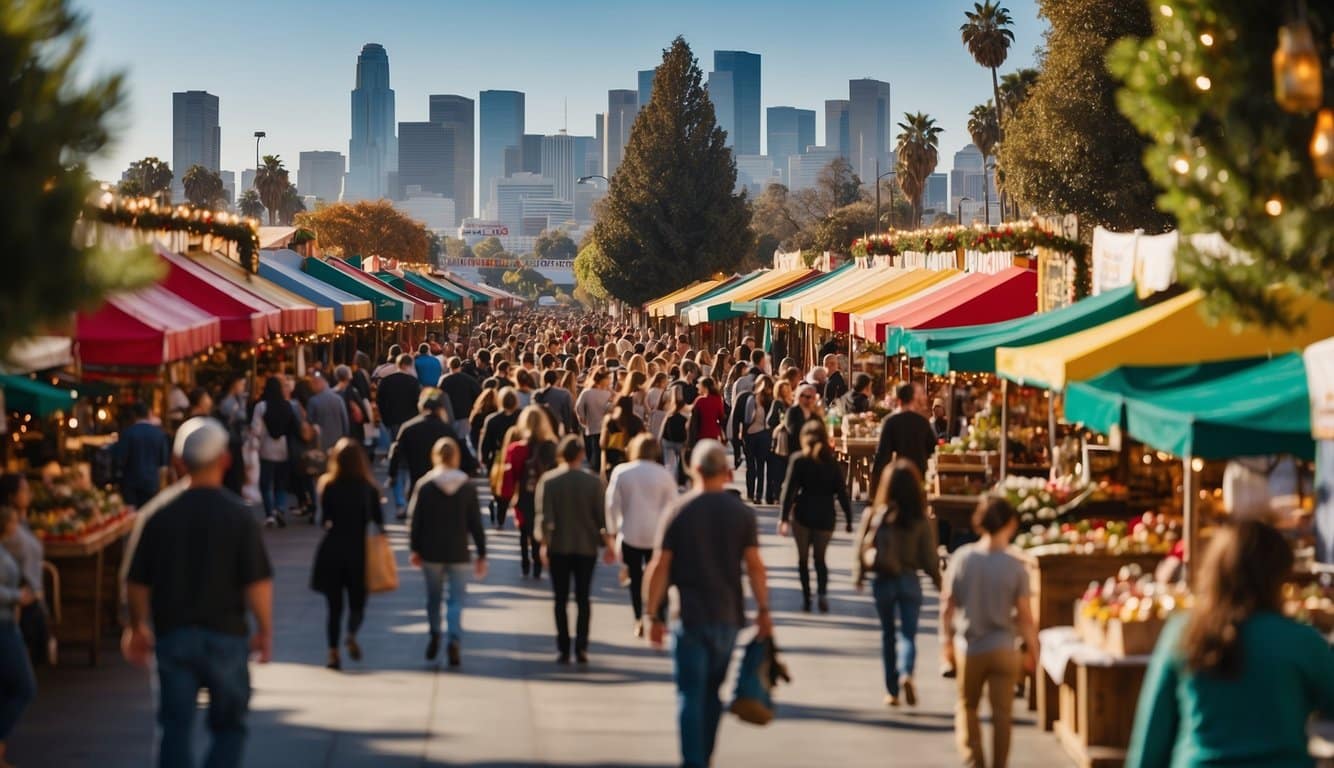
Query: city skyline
{"type": "Point", "coordinates": [302, 107]}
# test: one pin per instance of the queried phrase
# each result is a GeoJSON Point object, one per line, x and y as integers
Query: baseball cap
{"type": "Point", "coordinates": [200, 442]}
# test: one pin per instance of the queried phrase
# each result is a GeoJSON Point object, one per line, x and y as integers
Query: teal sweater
{"type": "Point", "coordinates": [1188, 719]}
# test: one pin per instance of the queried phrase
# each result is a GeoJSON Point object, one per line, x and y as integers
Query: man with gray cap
{"type": "Point", "coordinates": [197, 567]}
{"type": "Point", "coordinates": [327, 410]}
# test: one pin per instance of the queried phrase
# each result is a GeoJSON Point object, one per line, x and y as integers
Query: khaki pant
{"type": "Point", "coordinates": [998, 671]}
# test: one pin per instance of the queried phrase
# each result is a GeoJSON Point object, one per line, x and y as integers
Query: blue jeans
{"type": "Point", "coordinates": [757, 467]}
{"type": "Point", "coordinates": [898, 649]}
{"type": "Point", "coordinates": [700, 657]}
{"type": "Point", "coordinates": [388, 434]}
{"type": "Point", "coordinates": [17, 684]}
{"type": "Point", "coordinates": [190, 658]}
{"type": "Point", "coordinates": [436, 574]}
{"type": "Point", "coordinates": [673, 457]}
{"type": "Point", "coordinates": [273, 486]}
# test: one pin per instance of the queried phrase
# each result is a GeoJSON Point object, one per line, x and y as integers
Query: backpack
{"type": "Point", "coordinates": [541, 459]}
{"type": "Point", "coordinates": [674, 428]}
{"type": "Point", "coordinates": [879, 554]}
{"type": "Point", "coordinates": [540, 398]}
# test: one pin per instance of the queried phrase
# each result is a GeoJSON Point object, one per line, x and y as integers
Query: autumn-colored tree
{"type": "Point", "coordinates": [490, 248]}
{"type": "Point", "coordinates": [367, 228]}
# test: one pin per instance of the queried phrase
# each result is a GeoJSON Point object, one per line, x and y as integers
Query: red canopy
{"type": "Point", "coordinates": [1005, 295]}
{"type": "Point", "coordinates": [244, 317]}
{"type": "Point", "coordinates": [145, 328]}
{"type": "Point", "coordinates": [421, 310]}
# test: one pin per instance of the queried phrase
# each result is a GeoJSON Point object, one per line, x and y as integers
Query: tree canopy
{"type": "Point", "coordinates": [149, 177]}
{"type": "Point", "coordinates": [918, 152]}
{"type": "Point", "coordinates": [490, 248]}
{"type": "Point", "coordinates": [272, 182]}
{"type": "Point", "coordinates": [555, 245]}
{"type": "Point", "coordinates": [586, 271]}
{"type": "Point", "coordinates": [367, 228]}
{"type": "Point", "coordinates": [203, 188]}
{"type": "Point", "coordinates": [671, 215]}
{"type": "Point", "coordinates": [528, 283]}
{"type": "Point", "coordinates": [249, 204]}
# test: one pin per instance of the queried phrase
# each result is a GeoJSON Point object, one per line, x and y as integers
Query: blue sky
{"type": "Point", "coordinates": [287, 67]}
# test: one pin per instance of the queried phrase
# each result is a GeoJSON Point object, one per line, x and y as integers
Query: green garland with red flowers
{"type": "Point", "coordinates": [1014, 238]}
{"type": "Point", "coordinates": [145, 214]}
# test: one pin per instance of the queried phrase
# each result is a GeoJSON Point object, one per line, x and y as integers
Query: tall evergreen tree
{"type": "Point", "coordinates": [671, 215]}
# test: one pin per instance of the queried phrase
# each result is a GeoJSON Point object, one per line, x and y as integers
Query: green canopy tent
{"type": "Point", "coordinates": [917, 342]}
{"type": "Point", "coordinates": [35, 397]}
{"type": "Point", "coordinates": [387, 306]}
{"type": "Point", "coordinates": [411, 280]}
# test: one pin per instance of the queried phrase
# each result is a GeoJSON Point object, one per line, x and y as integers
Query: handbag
{"type": "Point", "coordinates": [760, 671]}
{"type": "Point", "coordinates": [782, 441]}
{"type": "Point", "coordinates": [381, 568]}
{"type": "Point", "coordinates": [879, 555]}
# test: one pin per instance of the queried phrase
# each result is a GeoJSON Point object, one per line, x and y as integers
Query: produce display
{"type": "Point", "coordinates": [1124, 615]}
{"type": "Point", "coordinates": [1044, 501]}
{"type": "Point", "coordinates": [983, 435]}
{"type": "Point", "coordinates": [1150, 534]}
{"type": "Point", "coordinates": [1311, 604]}
{"type": "Point", "coordinates": [68, 508]}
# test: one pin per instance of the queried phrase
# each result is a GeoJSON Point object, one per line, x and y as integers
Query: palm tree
{"type": "Point", "coordinates": [249, 204]}
{"type": "Point", "coordinates": [203, 188]}
{"type": "Point", "coordinates": [984, 128]}
{"type": "Point", "coordinates": [987, 36]}
{"type": "Point", "coordinates": [1015, 87]}
{"type": "Point", "coordinates": [918, 152]}
{"type": "Point", "coordinates": [271, 181]}
{"type": "Point", "coordinates": [291, 205]}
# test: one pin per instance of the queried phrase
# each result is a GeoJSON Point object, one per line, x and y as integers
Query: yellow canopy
{"type": "Point", "coordinates": [666, 306]}
{"type": "Point", "coordinates": [746, 291]}
{"type": "Point", "coordinates": [798, 308]}
{"type": "Point", "coordinates": [906, 284]}
{"type": "Point", "coordinates": [1174, 332]}
{"type": "Point", "coordinates": [267, 290]}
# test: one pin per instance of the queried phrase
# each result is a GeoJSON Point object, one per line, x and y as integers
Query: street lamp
{"type": "Point", "coordinates": [878, 177]}
{"type": "Point", "coordinates": [586, 179]}
{"type": "Point", "coordinates": [258, 135]}
{"type": "Point", "coordinates": [959, 209]}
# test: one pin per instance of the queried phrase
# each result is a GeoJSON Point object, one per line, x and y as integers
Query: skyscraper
{"type": "Point", "coordinates": [745, 70]}
{"type": "Point", "coordinates": [458, 113]}
{"type": "Point", "coordinates": [558, 164]}
{"type": "Point", "coordinates": [622, 106]}
{"type": "Point", "coordinates": [373, 150]}
{"type": "Point", "coordinates": [196, 138]}
{"type": "Point", "coordinates": [587, 156]}
{"type": "Point", "coordinates": [509, 194]}
{"type": "Point", "coordinates": [600, 138]}
{"type": "Point", "coordinates": [870, 127]}
{"type": "Point", "coordinates": [836, 126]}
{"type": "Point", "coordinates": [425, 158]}
{"type": "Point", "coordinates": [721, 93]}
{"type": "Point", "coordinates": [228, 185]}
{"type": "Point", "coordinates": [935, 196]}
{"type": "Point", "coordinates": [646, 86]}
{"type": "Point", "coordinates": [967, 163]}
{"type": "Point", "coordinates": [803, 171]}
{"type": "Point", "coordinates": [501, 126]}
{"type": "Point", "coordinates": [530, 153]}
{"type": "Point", "coordinates": [791, 131]}
{"type": "Point", "coordinates": [321, 174]}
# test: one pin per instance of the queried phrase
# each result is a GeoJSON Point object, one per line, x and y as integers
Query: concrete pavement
{"type": "Point", "coordinates": [510, 704]}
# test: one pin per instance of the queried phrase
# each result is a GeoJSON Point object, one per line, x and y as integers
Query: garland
{"type": "Point", "coordinates": [1013, 238]}
{"type": "Point", "coordinates": [145, 214]}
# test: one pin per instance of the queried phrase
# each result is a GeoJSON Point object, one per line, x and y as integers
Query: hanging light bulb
{"type": "Point", "coordinates": [1322, 144]}
{"type": "Point", "coordinates": [1297, 77]}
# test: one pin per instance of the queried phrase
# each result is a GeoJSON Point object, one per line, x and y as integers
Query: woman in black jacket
{"type": "Point", "coordinates": [349, 501]}
{"type": "Point", "coordinates": [806, 509]}
{"type": "Point", "coordinates": [445, 514]}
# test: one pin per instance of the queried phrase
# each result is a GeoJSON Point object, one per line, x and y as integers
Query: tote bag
{"type": "Point", "coordinates": [381, 568]}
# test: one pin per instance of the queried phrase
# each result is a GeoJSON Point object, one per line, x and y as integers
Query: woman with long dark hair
{"type": "Point", "coordinates": [1232, 680]}
{"type": "Point", "coordinates": [526, 459]}
{"type": "Point", "coordinates": [761, 485]}
{"type": "Point", "coordinates": [348, 502]}
{"type": "Point", "coordinates": [619, 428]}
{"type": "Point", "coordinates": [273, 422]}
{"type": "Point", "coordinates": [806, 509]}
{"type": "Point", "coordinates": [894, 544]}
{"type": "Point", "coordinates": [28, 551]}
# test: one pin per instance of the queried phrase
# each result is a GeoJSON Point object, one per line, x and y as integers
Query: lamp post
{"type": "Point", "coordinates": [959, 211]}
{"type": "Point", "coordinates": [878, 177]}
{"type": "Point", "coordinates": [258, 135]}
{"type": "Point", "coordinates": [586, 179]}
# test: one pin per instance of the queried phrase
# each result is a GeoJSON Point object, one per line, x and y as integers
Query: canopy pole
{"type": "Point", "coordinates": [1051, 432]}
{"type": "Point", "coordinates": [1005, 428]}
{"type": "Point", "coordinates": [1192, 525]}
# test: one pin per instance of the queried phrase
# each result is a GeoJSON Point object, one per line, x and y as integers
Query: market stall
{"type": "Point", "coordinates": [838, 318]}
{"type": "Point", "coordinates": [667, 306]}
{"type": "Point", "coordinates": [286, 274]}
{"type": "Point", "coordinates": [859, 327]}
{"type": "Point", "coordinates": [297, 315]}
{"type": "Point", "coordinates": [982, 299]}
{"type": "Point", "coordinates": [388, 306]}
{"type": "Point", "coordinates": [144, 329]}
{"type": "Point", "coordinates": [243, 317]}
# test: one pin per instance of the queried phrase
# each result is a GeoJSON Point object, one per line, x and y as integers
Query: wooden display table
{"type": "Point", "coordinates": [956, 512]}
{"type": "Point", "coordinates": [1088, 697]}
{"type": "Point", "coordinates": [857, 455]}
{"type": "Point", "coordinates": [1057, 580]}
{"type": "Point", "coordinates": [89, 584]}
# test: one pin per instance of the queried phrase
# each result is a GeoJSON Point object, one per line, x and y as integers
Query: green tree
{"type": "Point", "coordinates": [1229, 159]}
{"type": "Point", "coordinates": [271, 181]}
{"type": "Point", "coordinates": [203, 188]}
{"type": "Point", "coordinates": [587, 270]}
{"type": "Point", "coordinates": [918, 152]}
{"type": "Point", "coordinates": [988, 36]}
{"type": "Point", "coordinates": [249, 204]}
{"type": "Point", "coordinates": [149, 177]}
{"type": "Point", "coordinates": [291, 205]}
{"type": "Point", "coordinates": [1068, 149]}
{"type": "Point", "coordinates": [1015, 87]}
{"type": "Point", "coordinates": [838, 185]}
{"type": "Point", "coordinates": [55, 121]}
{"type": "Point", "coordinates": [984, 129]}
{"type": "Point", "coordinates": [490, 248]}
{"type": "Point", "coordinates": [528, 283]}
{"type": "Point", "coordinates": [836, 231]}
{"type": "Point", "coordinates": [555, 245]}
{"type": "Point", "coordinates": [671, 215]}
{"type": "Point", "coordinates": [457, 248]}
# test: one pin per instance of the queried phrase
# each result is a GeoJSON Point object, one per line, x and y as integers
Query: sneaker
{"type": "Point", "coordinates": [639, 627]}
{"type": "Point", "coordinates": [433, 648]}
{"type": "Point", "coordinates": [452, 650]}
{"type": "Point", "coordinates": [806, 605]}
{"type": "Point", "coordinates": [948, 671]}
{"type": "Point", "coordinates": [270, 522]}
{"type": "Point", "coordinates": [891, 700]}
{"type": "Point", "coordinates": [909, 691]}
{"type": "Point", "coordinates": [353, 650]}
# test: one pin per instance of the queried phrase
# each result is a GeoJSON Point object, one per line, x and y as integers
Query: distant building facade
{"type": "Point", "coordinates": [501, 125]}
{"type": "Point", "coordinates": [622, 107]}
{"type": "Point", "coordinates": [744, 129]}
{"type": "Point", "coordinates": [373, 148]}
{"type": "Point", "coordinates": [790, 131]}
{"type": "Point", "coordinates": [459, 114]}
{"type": "Point", "coordinates": [870, 126]}
{"type": "Point", "coordinates": [196, 137]}
{"type": "Point", "coordinates": [320, 174]}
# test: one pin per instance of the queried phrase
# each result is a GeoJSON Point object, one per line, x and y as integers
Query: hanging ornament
{"type": "Point", "coordinates": [1297, 76]}
{"type": "Point", "coordinates": [1322, 144]}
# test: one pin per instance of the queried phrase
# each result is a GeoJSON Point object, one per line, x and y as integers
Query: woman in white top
{"type": "Point", "coordinates": [655, 400]}
{"type": "Point", "coordinates": [273, 422]}
{"type": "Point", "coordinates": [639, 493]}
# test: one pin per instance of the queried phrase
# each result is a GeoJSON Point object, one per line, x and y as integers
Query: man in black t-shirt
{"type": "Point", "coordinates": [197, 567]}
{"type": "Point", "coordinates": [906, 434]}
{"type": "Point", "coordinates": [702, 545]}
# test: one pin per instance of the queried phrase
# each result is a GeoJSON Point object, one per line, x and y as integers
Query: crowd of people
{"type": "Point", "coordinates": [607, 442]}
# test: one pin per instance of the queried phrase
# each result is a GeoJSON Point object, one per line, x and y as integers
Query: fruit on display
{"type": "Point", "coordinates": [1132, 596]}
{"type": "Point", "coordinates": [68, 508]}
{"type": "Point", "coordinates": [1311, 604]}
{"type": "Point", "coordinates": [1149, 534]}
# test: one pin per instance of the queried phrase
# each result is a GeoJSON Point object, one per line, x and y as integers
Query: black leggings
{"type": "Point", "coordinates": [356, 598]}
{"type": "Point", "coordinates": [807, 538]}
{"type": "Point", "coordinates": [530, 549]}
{"type": "Point", "coordinates": [636, 560]}
{"type": "Point", "coordinates": [500, 510]}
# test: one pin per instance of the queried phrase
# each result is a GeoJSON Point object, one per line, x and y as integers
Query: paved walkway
{"type": "Point", "coordinates": [510, 704]}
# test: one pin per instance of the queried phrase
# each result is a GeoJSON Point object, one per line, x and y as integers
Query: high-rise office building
{"type": "Point", "coordinates": [373, 150]}
{"type": "Point", "coordinates": [425, 159]}
{"type": "Point", "coordinates": [791, 131]}
{"type": "Point", "coordinates": [600, 138]}
{"type": "Point", "coordinates": [458, 113]}
{"type": "Point", "coordinates": [803, 171]}
{"type": "Point", "coordinates": [247, 181]}
{"type": "Point", "coordinates": [745, 70]}
{"type": "Point", "coordinates": [722, 95]}
{"type": "Point", "coordinates": [538, 214]}
{"type": "Point", "coordinates": [870, 127]}
{"type": "Point", "coordinates": [836, 126]}
{"type": "Point", "coordinates": [501, 127]}
{"type": "Point", "coordinates": [196, 138]}
{"type": "Point", "coordinates": [967, 162]}
{"type": "Point", "coordinates": [320, 174]}
{"type": "Point", "coordinates": [558, 164]}
{"type": "Point", "coordinates": [587, 156]}
{"type": "Point", "coordinates": [509, 194]}
{"type": "Point", "coordinates": [435, 211]}
{"type": "Point", "coordinates": [530, 153]}
{"type": "Point", "coordinates": [936, 195]}
{"type": "Point", "coordinates": [622, 106]}
{"type": "Point", "coordinates": [755, 172]}
{"type": "Point", "coordinates": [646, 86]}
{"type": "Point", "coordinates": [228, 185]}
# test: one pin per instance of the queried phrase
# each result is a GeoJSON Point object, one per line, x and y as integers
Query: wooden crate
{"type": "Point", "coordinates": [1058, 580]}
{"type": "Point", "coordinates": [1134, 638]}
{"type": "Point", "coordinates": [1097, 712]}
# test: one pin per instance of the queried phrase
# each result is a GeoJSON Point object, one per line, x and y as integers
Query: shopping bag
{"type": "Point", "coordinates": [381, 569]}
